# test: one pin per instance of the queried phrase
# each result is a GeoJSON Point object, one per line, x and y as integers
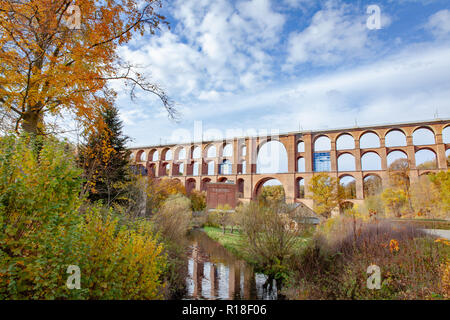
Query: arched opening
{"type": "Point", "coordinates": [370, 161]}
{"type": "Point", "coordinates": [225, 167]}
{"type": "Point", "coordinates": [223, 179]}
{"type": "Point", "coordinates": [272, 158]}
{"type": "Point", "coordinates": [269, 190]}
{"type": "Point", "coordinates": [395, 138]}
{"type": "Point", "coordinates": [240, 186]}
{"type": "Point", "coordinates": [426, 159]}
{"type": "Point", "coordinates": [345, 142]}
{"type": "Point", "coordinates": [196, 152]}
{"type": "Point", "coordinates": [195, 169]}
{"type": "Point", "coordinates": [168, 155]}
{"type": "Point", "coordinates": [423, 136]}
{"type": "Point", "coordinates": [211, 151]}
{"type": "Point", "coordinates": [154, 155]}
{"type": "Point", "coordinates": [243, 151]}
{"type": "Point", "coordinates": [228, 150]}
{"type": "Point", "coordinates": [211, 168]}
{"type": "Point", "coordinates": [301, 165]}
{"type": "Point", "coordinates": [396, 155]}
{"type": "Point", "coordinates": [346, 162]}
{"type": "Point", "coordinates": [348, 184]}
{"type": "Point", "coordinates": [243, 167]}
{"type": "Point", "coordinates": [190, 185]}
{"type": "Point", "coordinates": [323, 143]}
{"type": "Point", "coordinates": [369, 140]}
{"type": "Point", "coordinates": [204, 184]}
{"type": "Point", "coordinates": [181, 154]}
{"type": "Point", "coordinates": [140, 155]}
{"type": "Point", "coordinates": [300, 146]}
{"type": "Point", "coordinates": [372, 185]}
{"type": "Point", "coordinates": [181, 168]}
{"type": "Point", "coordinates": [446, 135]}
{"type": "Point", "coordinates": [152, 170]}
{"type": "Point", "coordinates": [300, 192]}
{"type": "Point", "coordinates": [165, 169]}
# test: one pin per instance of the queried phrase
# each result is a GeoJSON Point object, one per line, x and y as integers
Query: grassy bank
{"type": "Point", "coordinates": [233, 242]}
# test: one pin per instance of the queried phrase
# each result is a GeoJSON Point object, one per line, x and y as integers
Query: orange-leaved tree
{"type": "Point", "coordinates": [58, 56]}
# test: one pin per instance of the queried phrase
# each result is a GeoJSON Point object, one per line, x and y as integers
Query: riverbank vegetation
{"type": "Point", "coordinates": [332, 261]}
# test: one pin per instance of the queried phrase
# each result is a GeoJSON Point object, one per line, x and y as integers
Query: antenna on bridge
{"type": "Point", "coordinates": [356, 122]}
{"type": "Point", "coordinates": [436, 114]}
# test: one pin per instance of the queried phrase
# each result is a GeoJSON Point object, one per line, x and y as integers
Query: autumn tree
{"type": "Point", "coordinates": [397, 197]}
{"type": "Point", "coordinates": [271, 194]}
{"type": "Point", "coordinates": [57, 57]}
{"type": "Point", "coordinates": [325, 193]}
{"type": "Point", "coordinates": [105, 160]}
{"type": "Point", "coordinates": [159, 190]}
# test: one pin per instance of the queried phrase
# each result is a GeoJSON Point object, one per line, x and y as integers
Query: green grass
{"type": "Point", "coordinates": [426, 223]}
{"type": "Point", "coordinates": [233, 242]}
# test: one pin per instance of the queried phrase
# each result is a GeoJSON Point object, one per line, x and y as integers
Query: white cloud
{"type": "Point", "coordinates": [439, 24]}
{"type": "Point", "coordinates": [333, 35]}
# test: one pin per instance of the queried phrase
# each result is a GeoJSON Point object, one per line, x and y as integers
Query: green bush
{"type": "Point", "coordinates": [42, 232]}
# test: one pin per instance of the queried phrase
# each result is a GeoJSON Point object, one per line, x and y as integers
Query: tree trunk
{"type": "Point", "coordinates": [31, 122]}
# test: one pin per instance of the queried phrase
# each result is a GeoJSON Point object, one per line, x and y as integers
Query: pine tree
{"type": "Point", "coordinates": [105, 160]}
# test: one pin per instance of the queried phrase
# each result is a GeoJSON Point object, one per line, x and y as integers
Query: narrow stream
{"type": "Point", "coordinates": [214, 273]}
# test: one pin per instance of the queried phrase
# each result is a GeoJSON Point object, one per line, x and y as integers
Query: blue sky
{"type": "Point", "coordinates": [238, 67]}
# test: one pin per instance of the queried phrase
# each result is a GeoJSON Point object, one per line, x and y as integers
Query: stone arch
{"type": "Point", "coordinates": [394, 155]}
{"type": "Point", "coordinates": [243, 150]}
{"type": "Point", "coordinates": [241, 187]}
{"type": "Point", "coordinates": [423, 136]}
{"type": "Point", "coordinates": [164, 169]}
{"type": "Point", "coordinates": [226, 167]}
{"type": "Point", "coordinates": [152, 170]}
{"type": "Point", "coordinates": [300, 146]}
{"type": "Point", "coordinates": [190, 185]}
{"type": "Point", "coordinates": [211, 168]}
{"type": "Point", "coordinates": [210, 151]}
{"type": "Point", "coordinates": [272, 157]}
{"type": "Point", "coordinates": [181, 168]}
{"type": "Point", "coordinates": [259, 185]}
{"type": "Point", "coordinates": [153, 155]}
{"type": "Point", "coordinates": [345, 141]}
{"type": "Point", "coordinates": [346, 162]}
{"type": "Point", "coordinates": [180, 153]}
{"type": "Point", "coordinates": [140, 156]}
{"type": "Point", "coordinates": [196, 168]}
{"type": "Point", "coordinates": [369, 140]}
{"type": "Point", "coordinates": [446, 134]}
{"type": "Point", "coordinates": [322, 143]}
{"type": "Point", "coordinates": [300, 191]}
{"type": "Point", "coordinates": [426, 158]}
{"type": "Point", "coordinates": [222, 179]}
{"type": "Point", "coordinates": [204, 184]}
{"type": "Point", "coordinates": [301, 164]}
{"type": "Point", "coordinates": [195, 152]}
{"type": "Point", "coordinates": [370, 160]}
{"type": "Point", "coordinates": [395, 138]}
{"type": "Point", "coordinates": [166, 154]}
{"type": "Point", "coordinates": [227, 150]}
{"type": "Point", "coordinates": [372, 184]}
{"type": "Point", "coordinates": [348, 183]}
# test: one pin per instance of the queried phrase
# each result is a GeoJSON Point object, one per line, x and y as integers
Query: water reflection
{"type": "Point", "coordinates": [214, 273]}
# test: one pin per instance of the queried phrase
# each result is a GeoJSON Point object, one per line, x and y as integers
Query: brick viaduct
{"type": "Point", "coordinates": [189, 162]}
